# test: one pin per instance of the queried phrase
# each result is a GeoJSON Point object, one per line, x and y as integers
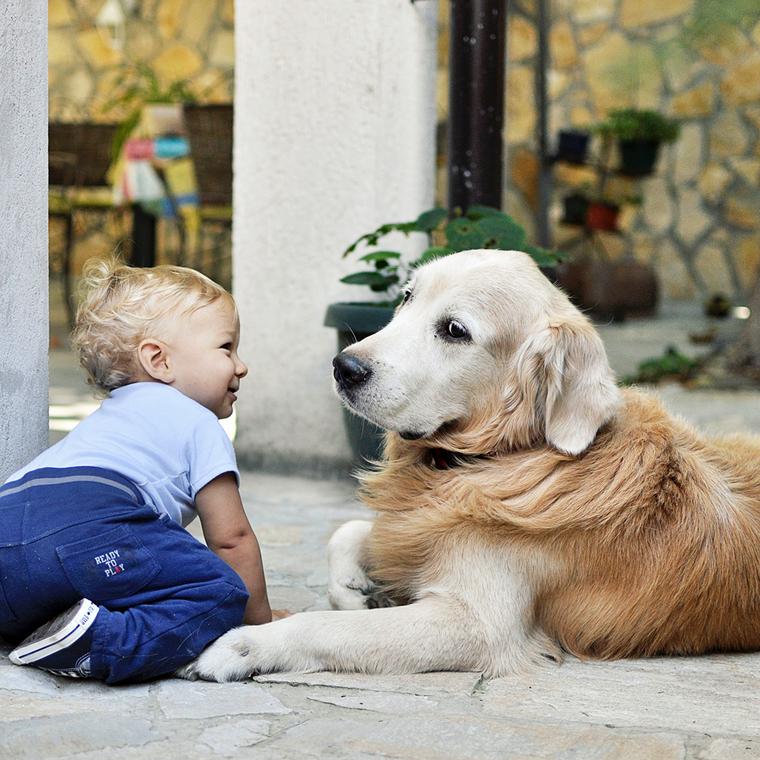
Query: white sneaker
{"type": "Point", "coordinates": [62, 645]}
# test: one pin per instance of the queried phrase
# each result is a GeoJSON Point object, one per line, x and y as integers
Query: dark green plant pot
{"type": "Point", "coordinates": [638, 157]}
{"type": "Point", "coordinates": [572, 146]}
{"type": "Point", "coordinates": [354, 322]}
{"type": "Point", "coordinates": [575, 207]}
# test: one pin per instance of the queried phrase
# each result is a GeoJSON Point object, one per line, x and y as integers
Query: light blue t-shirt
{"type": "Point", "coordinates": [168, 445]}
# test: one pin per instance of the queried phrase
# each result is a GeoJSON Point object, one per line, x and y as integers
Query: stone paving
{"type": "Point", "coordinates": [707, 708]}
{"type": "Point", "coordinates": [703, 708]}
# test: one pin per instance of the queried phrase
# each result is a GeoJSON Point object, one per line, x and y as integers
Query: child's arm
{"type": "Point", "coordinates": [230, 536]}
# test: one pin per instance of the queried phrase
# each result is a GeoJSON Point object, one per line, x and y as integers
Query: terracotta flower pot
{"type": "Point", "coordinates": [602, 216]}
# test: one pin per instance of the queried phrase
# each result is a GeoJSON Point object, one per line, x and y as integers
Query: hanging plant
{"type": "Point", "coordinates": [639, 134]}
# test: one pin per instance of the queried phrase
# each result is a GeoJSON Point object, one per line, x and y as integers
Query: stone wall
{"type": "Point", "coordinates": [698, 221]}
{"type": "Point", "coordinates": [179, 39]}
{"type": "Point", "coordinates": [190, 40]}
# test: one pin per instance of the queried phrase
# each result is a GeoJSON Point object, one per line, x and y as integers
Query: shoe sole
{"type": "Point", "coordinates": [47, 645]}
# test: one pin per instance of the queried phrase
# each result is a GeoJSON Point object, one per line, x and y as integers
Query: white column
{"type": "Point", "coordinates": [334, 135]}
{"type": "Point", "coordinates": [23, 233]}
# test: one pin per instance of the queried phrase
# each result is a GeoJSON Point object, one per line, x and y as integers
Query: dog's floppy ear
{"type": "Point", "coordinates": [581, 394]}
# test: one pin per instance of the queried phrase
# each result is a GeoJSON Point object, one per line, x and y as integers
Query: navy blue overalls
{"type": "Point", "coordinates": [87, 532]}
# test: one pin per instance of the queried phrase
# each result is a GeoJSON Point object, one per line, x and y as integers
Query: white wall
{"type": "Point", "coordinates": [23, 232]}
{"type": "Point", "coordinates": [334, 134]}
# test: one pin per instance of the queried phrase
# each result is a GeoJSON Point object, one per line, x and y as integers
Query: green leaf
{"type": "Point", "coordinates": [559, 255]}
{"type": "Point", "coordinates": [372, 238]}
{"type": "Point", "coordinates": [479, 212]}
{"type": "Point", "coordinates": [434, 252]}
{"type": "Point", "coordinates": [123, 131]}
{"type": "Point", "coordinates": [380, 255]}
{"type": "Point", "coordinates": [370, 278]}
{"type": "Point", "coordinates": [462, 234]}
{"type": "Point", "coordinates": [427, 221]}
{"type": "Point", "coordinates": [671, 364]}
{"type": "Point", "coordinates": [405, 227]}
{"type": "Point", "coordinates": [639, 124]}
{"type": "Point", "coordinates": [501, 231]}
{"type": "Point", "coordinates": [380, 287]}
{"type": "Point", "coordinates": [542, 256]}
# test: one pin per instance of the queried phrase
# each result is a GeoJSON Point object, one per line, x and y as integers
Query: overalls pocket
{"type": "Point", "coordinates": [112, 565]}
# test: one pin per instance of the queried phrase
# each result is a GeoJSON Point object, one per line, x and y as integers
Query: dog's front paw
{"type": "Point", "coordinates": [231, 657]}
{"type": "Point", "coordinates": [349, 587]}
{"type": "Point", "coordinates": [379, 598]}
{"type": "Point", "coordinates": [353, 592]}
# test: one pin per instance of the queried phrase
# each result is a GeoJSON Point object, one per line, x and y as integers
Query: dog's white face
{"type": "Point", "coordinates": [471, 326]}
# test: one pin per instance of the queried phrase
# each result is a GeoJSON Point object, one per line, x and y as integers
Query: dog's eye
{"type": "Point", "coordinates": [457, 330]}
{"type": "Point", "coordinates": [407, 296]}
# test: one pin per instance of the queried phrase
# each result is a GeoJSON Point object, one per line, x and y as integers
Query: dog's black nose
{"type": "Point", "coordinates": [350, 371]}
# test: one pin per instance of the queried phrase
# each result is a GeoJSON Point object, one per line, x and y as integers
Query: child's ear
{"type": "Point", "coordinates": [154, 359]}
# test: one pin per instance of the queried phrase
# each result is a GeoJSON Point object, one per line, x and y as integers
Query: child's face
{"type": "Point", "coordinates": [203, 356]}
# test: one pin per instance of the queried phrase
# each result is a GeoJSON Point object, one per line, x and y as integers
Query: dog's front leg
{"type": "Point", "coordinates": [435, 633]}
{"type": "Point", "coordinates": [348, 585]}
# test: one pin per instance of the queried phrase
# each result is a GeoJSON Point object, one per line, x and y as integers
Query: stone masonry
{"type": "Point", "coordinates": [188, 40]}
{"type": "Point", "coordinates": [698, 220]}
{"type": "Point", "coordinates": [704, 708]}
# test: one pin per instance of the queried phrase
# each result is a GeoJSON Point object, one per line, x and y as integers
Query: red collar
{"type": "Point", "coordinates": [444, 460]}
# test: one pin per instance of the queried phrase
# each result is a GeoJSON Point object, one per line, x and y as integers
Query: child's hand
{"type": "Point", "coordinates": [280, 614]}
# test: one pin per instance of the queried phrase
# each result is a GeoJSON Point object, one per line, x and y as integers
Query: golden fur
{"type": "Point", "coordinates": [652, 530]}
{"type": "Point", "coordinates": [575, 517]}
{"type": "Point", "coordinates": [656, 528]}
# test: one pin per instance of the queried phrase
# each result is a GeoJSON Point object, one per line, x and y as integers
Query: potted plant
{"type": "Point", "coordinates": [386, 272]}
{"type": "Point", "coordinates": [142, 95]}
{"type": "Point", "coordinates": [572, 146]}
{"type": "Point", "coordinates": [609, 289]}
{"type": "Point", "coordinates": [602, 214]}
{"type": "Point", "coordinates": [575, 208]}
{"type": "Point", "coordinates": [639, 134]}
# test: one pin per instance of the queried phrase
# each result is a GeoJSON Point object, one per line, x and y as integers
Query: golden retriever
{"type": "Point", "coordinates": [526, 505]}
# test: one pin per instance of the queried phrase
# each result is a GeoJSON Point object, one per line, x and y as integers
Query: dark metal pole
{"type": "Point", "coordinates": [545, 165]}
{"type": "Point", "coordinates": [476, 102]}
{"type": "Point", "coordinates": [143, 237]}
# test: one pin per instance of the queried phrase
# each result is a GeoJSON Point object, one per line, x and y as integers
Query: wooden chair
{"type": "Point", "coordinates": [209, 130]}
{"type": "Point", "coordinates": [79, 156]}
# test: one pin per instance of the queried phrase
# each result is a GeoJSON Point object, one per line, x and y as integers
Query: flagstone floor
{"type": "Point", "coordinates": [703, 708]}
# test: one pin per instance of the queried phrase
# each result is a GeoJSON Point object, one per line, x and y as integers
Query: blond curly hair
{"type": "Point", "coordinates": [122, 306]}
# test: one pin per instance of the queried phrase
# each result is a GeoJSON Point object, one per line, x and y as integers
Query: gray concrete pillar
{"type": "Point", "coordinates": [334, 135]}
{"type": "Point", "coordinates": [23, 233]}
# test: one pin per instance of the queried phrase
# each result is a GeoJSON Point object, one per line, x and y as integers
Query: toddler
{"type": "Point", "coordinates": [97, 520]}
